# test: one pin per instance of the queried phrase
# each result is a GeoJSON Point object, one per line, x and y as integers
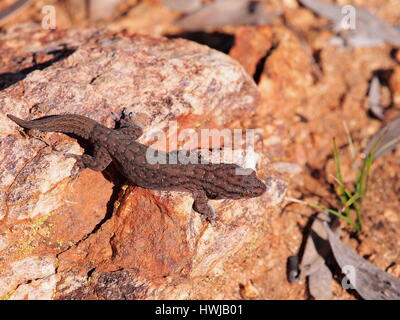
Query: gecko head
{"type": "Point", "coordinates": [259, 187]}
{"type": "Point", "coordinates": [254, 186]}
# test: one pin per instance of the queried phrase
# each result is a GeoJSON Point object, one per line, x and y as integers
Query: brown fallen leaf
{"type": "Point", "coordinates": [320, 283]}
{"type": "Point", "coordinates": [374, 98]}
{"type": "Point", "coordinates": [313, 261]}
{"type": "Point", "coordinates": [12, 10]}
{"type": "Point", "coordinates": [369, 281]}
{"type": "Point", "coordinates": [370, 30]}
{"type": "Point", "coordinates": [385, 140]}
{"type": "Point", "coordinates": [226, 12]}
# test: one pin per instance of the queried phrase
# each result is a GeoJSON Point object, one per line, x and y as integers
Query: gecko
{"type": "Point", "coordinates": [119, 145]}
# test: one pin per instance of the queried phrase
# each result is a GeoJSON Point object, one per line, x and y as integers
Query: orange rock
{"type": "Point", "coordinates": [394, 84]}
{"type": "Point", "coordinates": [106, 241]}
{"type": "Point", "coordinates": [251, 45]}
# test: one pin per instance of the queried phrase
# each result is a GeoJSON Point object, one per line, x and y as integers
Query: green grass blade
{"type": "Point", "coordinates": [342, 190]}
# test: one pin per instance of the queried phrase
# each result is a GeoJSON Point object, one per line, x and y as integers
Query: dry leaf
{"type": "Point", "coordinates": [226, 12]}
{"type": "Point", "coordinates": [313, 261]}
{"type": "Point", "coordinates": [385, 140]}
{"type": "Point", "coordinates": [369, 281]}
{"type": "Point", "coordinates": [374, 98]}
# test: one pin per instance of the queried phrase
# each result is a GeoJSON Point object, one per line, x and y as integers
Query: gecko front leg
{"type": "Point", "coordinates": [202, 206]}
{"type": "Point", "coordinates": [98, 162]}
{"type": "Point", "coordinates": [126, 126]}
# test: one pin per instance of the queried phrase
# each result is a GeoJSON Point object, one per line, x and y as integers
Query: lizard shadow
{"type": "Point", "coordinates": [7, 79]}
{"type": "Point", "coordinates": [110, 173]}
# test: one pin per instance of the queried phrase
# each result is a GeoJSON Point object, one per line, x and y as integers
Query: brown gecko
{"type": "Point", "coordinates": [204, 181]}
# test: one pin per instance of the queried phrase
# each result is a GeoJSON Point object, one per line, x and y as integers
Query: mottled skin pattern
{"type": "Point", "coordinates": [204, 181]}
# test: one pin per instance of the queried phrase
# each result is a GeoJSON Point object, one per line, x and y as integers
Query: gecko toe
{"type": "Point", "coordinates": [214, 222]}
{"type": "Point", "coordinates": [115, 116]}
{"type": "Point", "coordinates": [127, 114]}
{"type": "Point", "coordinates": [210, 215]}
{"type": "Point", "coordinates": [76, 171]}
{"type": "Point", "coordinates": [79, 164]}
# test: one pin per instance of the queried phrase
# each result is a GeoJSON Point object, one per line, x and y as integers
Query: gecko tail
{"type": "Point", "coordinates": [20, 122]}
{"type": "Point", "coordinates": [68, 123]}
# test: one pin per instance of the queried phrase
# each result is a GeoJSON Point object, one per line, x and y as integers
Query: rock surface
{"type": "Point", "coordinates": [92, 237]}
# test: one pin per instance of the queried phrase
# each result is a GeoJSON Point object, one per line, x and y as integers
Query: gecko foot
{"type": "Point", "coordinates": [212, 221]}
{"type": "Point", "coordinates": [115, 116]}
{"type": "Point", "coordinates": [207, 212]}
{"type": "Point", "coordinates": [124, 117]}
{"type": "Point", "coordinates": [78, 166]}
{"type": "Point", "coordinates": [126, 114]}
{"type": "Point", "coordinates": [125, 125]}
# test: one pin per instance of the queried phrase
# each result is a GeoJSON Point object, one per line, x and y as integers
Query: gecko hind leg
{"type": "Point", "coordinates": [202, 206]}
{"type": "Point", "coordinates": [98, 162]}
